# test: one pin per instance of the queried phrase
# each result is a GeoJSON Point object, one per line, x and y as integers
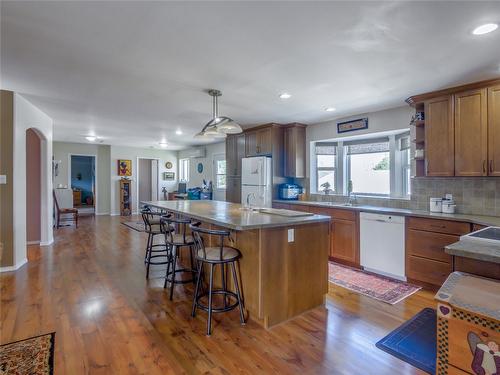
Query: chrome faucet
{"type": "Point", "coordinates": [248, 200]}
{"type": "Point", "coordinates": [351, 201]}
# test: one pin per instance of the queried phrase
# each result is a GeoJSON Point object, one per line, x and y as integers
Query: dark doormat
{"type": "Point", "coordinates": [34, 356]}
{"type": "Point", "coordinates": [414, 341]}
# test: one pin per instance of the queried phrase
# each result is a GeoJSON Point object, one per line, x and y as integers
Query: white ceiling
{"type": "Point", "coordinates": [134, 72]}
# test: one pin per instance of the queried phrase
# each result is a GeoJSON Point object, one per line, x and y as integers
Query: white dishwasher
{"type": "Point", "coordinates": [382, 244]}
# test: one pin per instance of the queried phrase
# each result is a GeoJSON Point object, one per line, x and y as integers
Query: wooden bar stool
{"type": "Point", "coordinates": [152, 226]}
{"type": "Point", "coordinates": [216, 256]}
{"type": "Point", "coordinates": [176, 240]}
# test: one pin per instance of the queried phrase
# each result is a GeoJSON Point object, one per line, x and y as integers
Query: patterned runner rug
{"type": "Point", "coordinates": [135, 225]}
{"type": "Point", "coordinates": [34, 356]}
{"type": "Point", "coordinates": [379, 287]}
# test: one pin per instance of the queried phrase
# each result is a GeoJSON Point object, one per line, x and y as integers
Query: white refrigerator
{"type": "Point", "coordinates": [257, 181]}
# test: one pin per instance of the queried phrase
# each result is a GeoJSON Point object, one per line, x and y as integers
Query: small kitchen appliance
{"type": "Point", "coordinates": [436, 205]}
{"type": "Point", "coordinates": [448, 206]}
{"type": "Point", "coordinates": [289, 191]}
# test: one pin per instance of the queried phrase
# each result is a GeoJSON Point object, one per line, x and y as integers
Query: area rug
{"type": "Point", "coordinates": [379, 287]}
{"type": "Point", "coordinates": [34, 356]}
{"type": "Point", "coordinates": [414, 342]}
{"type": "Point", "coordinates": [135, 225]}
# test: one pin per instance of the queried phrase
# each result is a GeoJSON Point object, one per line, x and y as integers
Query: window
{"type": "Point", "coordinates": [376, 166]}
{"type": "Point", "coordinates": [369, 166]}
{"type": "Point", "coordinates": [220, 174]}
{"type": "Point", "coordinates": [326, 159]}
{"type": "Point", "coordinates": [184, 170]}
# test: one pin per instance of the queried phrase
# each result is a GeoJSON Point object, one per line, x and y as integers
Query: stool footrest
{"type": "Point", "coordinates": [227, 293]}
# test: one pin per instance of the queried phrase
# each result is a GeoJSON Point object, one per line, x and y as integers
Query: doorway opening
{"type": "Point", "coordinates": [33, 187]}
{"type": "Point", "coordinates": [147, 180]}
{"type": "Point", "coordinates": [82, 178]}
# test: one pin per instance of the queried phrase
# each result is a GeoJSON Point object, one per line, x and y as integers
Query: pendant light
{"type": "Point", "coordinates": [218, 126]}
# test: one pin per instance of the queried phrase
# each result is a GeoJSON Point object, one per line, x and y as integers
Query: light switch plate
{"type": "Point", "coordinates": [291, 235]}
{"type": "Point", "coordinates": [3, 179]}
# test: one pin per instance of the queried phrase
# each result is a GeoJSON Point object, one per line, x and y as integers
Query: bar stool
{"type": "Point", "coordinates": [214, 256]}
{"type": "Point", "coordinates": [152, 226]}
{"type": "Point", "coordinates": [176, 240]}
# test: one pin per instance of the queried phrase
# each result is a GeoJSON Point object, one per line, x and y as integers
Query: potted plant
{"type": "Point", "coordinates": [326, 188]}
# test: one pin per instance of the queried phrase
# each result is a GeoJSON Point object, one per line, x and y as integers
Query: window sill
{"type": "Point", "coordinates": [408, 198]}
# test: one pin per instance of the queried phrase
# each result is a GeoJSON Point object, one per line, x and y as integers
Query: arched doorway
{"type": "Point", "coordinates": [34, 187]}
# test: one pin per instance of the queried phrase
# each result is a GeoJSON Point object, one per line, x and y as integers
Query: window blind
{"type": "Point", "coordinates": [367, 146]}
{"type": "Point", "coordinates": [326, 148]}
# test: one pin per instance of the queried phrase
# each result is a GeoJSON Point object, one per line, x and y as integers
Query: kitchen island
{"type": "Point", "coordinates": [284, 263]}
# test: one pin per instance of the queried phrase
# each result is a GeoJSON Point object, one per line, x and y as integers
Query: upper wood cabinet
{"type": "Point", "coordinates": [295, 151]}
{"type": "Point", "coordinates": [235, 151]}
{"type": "Point", "coordinates": [494, 130]}
{"type": "Point", "coordinates": [471, 133]}
{"type": "Point", "coordinates": [462, 130]}
{"type": "Point", "coordinates": [439, 136]}
{"type": "Point", "coordinates": [259, 142]}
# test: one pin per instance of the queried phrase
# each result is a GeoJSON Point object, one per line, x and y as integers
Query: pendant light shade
{"type": "Point", "coordinates": [218, 126]}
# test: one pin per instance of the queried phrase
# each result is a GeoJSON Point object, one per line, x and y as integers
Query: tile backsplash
{"type": "Point", "coordinates": [472, 195]}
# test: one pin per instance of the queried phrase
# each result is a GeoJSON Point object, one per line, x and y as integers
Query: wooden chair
{"type": "Point", "coordinates": [65, 211]}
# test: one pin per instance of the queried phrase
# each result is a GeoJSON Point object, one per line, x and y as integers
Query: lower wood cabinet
{"type": "Point", "coordinates": [345, 241]}
{"type": "Point", "coordinates": [477, 267]}
{"type": "Point", "coordinates": [233, 189]}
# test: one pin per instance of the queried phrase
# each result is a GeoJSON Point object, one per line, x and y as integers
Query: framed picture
{"type": "Point", "coordinates": [349, 126]}
{"type": "Point", "coordinates": [168, 176]}
{"type": "Point", "coordinates": [124, 167]}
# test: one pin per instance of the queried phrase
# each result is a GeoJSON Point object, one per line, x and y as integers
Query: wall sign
{"type": "Point", "coordinates": [168, 176]}
{"type": "Point", "coordinates": [352, 125]}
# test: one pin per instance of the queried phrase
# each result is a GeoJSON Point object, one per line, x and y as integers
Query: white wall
{"type": "Point", "coordinates": [26, 116]}
{"type": "Point", "coordinates": [196, 178]}
{"type": "Point", "coordinates": [62, 150]}
{"type": "Point", "coordinates": [132, 153]}
{"type": "Point", "coordinates": [381, 121]}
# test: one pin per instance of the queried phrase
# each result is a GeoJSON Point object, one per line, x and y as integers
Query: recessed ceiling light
{"type": "Point", "coordinates": [91, 138]}
{"type": "Point", "coordinates": [330, 109]}
{"type": "Point", "coordinates": [485, 29]}
{"type": "Point", "coordinates": [178, 132]}
{"type": "Point", "coordinates": [285, 95]}
{"type": "Point", "coordinates": [163, 144]}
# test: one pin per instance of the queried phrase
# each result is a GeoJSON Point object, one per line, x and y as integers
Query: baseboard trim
{"type": "Point", "coordinates": [47, 243]}
{"type": "Point", "coordinates": [102, 213]}
{"type": "Point", "coordinates": [15, 267]}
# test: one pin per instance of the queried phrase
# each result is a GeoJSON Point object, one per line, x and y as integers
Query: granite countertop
{"type": "Point", "coordinates": [474, 219]}
{"type": "Point", "coordinates": [231, 215]}
{"type": "Point", "coordinates": [487, 252]}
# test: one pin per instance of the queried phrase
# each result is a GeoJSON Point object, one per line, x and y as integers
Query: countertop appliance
{"type": "Point", "coordinates": [289, 191]}
{"type": "Point", "coordinates": [382, 244]}
{"type": "Point", "coordinates": [256, 181]}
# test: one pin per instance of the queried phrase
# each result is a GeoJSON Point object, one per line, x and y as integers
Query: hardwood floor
{"type": "Point", "coordinates": [90, 288]}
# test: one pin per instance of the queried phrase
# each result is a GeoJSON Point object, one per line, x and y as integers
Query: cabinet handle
{"type": "Point", "coordinates": [491, 166]}
{"type": "Point", "coordinates": [484, 166]}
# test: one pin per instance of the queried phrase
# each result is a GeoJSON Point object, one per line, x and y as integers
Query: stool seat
{"type": "Point", "coordinates": [178, 240]}
{"type": "Point", "coordinates": [212, 254]}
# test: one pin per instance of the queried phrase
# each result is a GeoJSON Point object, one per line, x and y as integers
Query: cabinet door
{"type": "Point", "coordinates": [295, 152]}
{"type": "Point", "coordinates": [240, 152]}
{"type": "Point", "coordinates": [251, 143]}
{"type": "Point", "coordinates": [264, 141]}
{"type": "Point", "coordinates": [231, 156]}
{"type": "Point", "coordinates": [439, 137]}
{"type": "Point", "coordinates": [344, 244]}
{"type": "Point", "coordinates": [494, 131]}
{"type": "Point", "coordinates": [233, 189]}
{"type": "Point", "coordinates": [471, 152]}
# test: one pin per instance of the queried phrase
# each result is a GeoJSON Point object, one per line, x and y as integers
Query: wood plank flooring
{"type": "Point", "coordinates": [90, 288]}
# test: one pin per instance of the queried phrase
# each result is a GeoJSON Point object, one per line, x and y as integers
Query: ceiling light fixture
{"type": "Point", "coordinates": [178, 132]}
{"type": "Point", "coordinates": [285, 95]}
{"type": "Point", "coordinates": [218, 126]}
{"type": "Point", "coordinates": [91, 138]}
{"type": "Point", "coordinates": [163, 144]}
{"type": "Point", "coordinates": [330, 109]}
{"type": "Point", "coordinates": [485, 29]}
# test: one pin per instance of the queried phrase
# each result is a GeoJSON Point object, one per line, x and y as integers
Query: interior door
{"type": "Point", "coordinates": [219, 177]}
{"type": "Point", "coordinates": [471, 138]}
{"type": "Point", "coordinates": [439, 137]}
{"type": "Point", "coordinates": [154, 179]}
{"type": "Point", "coordinates": [494, 131]}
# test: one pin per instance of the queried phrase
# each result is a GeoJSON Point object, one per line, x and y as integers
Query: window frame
{"type": "Point", "coordinates": [218, 158]}
{"type": "Point", "coordinates": [399, 164]}
{"type": "Point", "coordinates": [183, 178]}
